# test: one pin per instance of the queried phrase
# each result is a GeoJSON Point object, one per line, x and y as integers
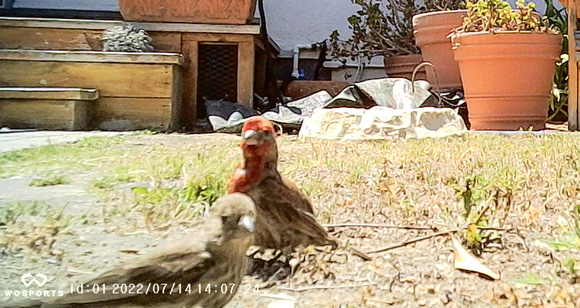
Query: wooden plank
{"type": "Point", "coordinates": [246, 57]}
{"type": "Point", "coordinates": [124, 113]}
{"type": "Point", "coordinates": [112, 79]}
{"type": "Point", "coordinates": [45, 114]}
{"type": "Point", "coordinates": [190, 73]}
{"type": "Point", "coordinates": [166, 41]}
{"type": "Point", "coordinates": [177, 111]}
{"type": "Point", "coordinates": [213, 37]}
{"type": "Point", "coordinates": [74, 39]}
{"type": "Point", "coordinates": [572, 69]}
{"type": "Point", "coordinates": [92, 56]}
{"type": "Point", "coordinates": [47, 39]}
{"type": "Point", "coordinates": [105, 24]}
{"type": "Point", "coordinates": [84, 115]}
{"type": "Point", "coordinates": [50, 93]}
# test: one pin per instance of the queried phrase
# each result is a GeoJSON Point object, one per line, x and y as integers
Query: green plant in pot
{"type": "Point", "coordinates": [507, 58]}
{"type": "Point", "coordinates": [558, 18]}
{"type": "Point", "coordinates": [384, 28]}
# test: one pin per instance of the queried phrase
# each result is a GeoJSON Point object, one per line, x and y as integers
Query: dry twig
{"type": "Point", "coordinates": [360, 225]}
{"type": "Point", "coordinates": [415, 240]}
{"type": "Point", "coordinates": [302, 289]}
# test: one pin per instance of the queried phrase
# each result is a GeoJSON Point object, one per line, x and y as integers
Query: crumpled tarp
{"type": "Point", "coordinates": [380, 103]}
{"type": "Point", "coordinates": [377, 123]}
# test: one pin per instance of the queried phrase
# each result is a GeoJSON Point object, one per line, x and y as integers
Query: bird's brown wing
{"type": "Point", "coordinates": [148, 275]}
{"type": "Point", "coordinates": [280, 222]}
{"type": "Point", "coordinates": [304, 204]}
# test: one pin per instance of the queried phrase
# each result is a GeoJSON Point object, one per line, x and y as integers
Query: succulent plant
{"type": "Point", "coordinates": [497, 15]}
{"type": "Point", "coordinates": [126, 38]}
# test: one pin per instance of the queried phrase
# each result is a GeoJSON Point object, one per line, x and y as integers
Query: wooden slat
{"type": "Point", "coordinates": [177, 110]}
{"type": "Point", "coordinates": [49, 93]}
{"type": "Point", "coordinates": [91, 56]}
{"type": "Point", "coordinates": [45, 114]}
{"type": "Point", "coordinates": [74, 39]}
{"type": "Point", "coordinates": [112, 79]}
{"type": "Point", "coordinates": [104, 24]}
{"type": "Point", "coordinates": [119, 113]}
{"type": "Point", "coordinates": [166, 41]}
{"type": "Point", "coordinates": [213, 37]}
{"type": "Point", "coordinates": [46, 39]}
{"type": "Point", "coordinates": [573, 92]}
{"type": "Point", "coordinates": [190, 72]}
{"type": "Point", "coordinates": [246, 54]}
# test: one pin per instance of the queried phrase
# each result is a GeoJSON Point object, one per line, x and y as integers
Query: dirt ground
{"type": "Point", "coordinates": [524, 189]}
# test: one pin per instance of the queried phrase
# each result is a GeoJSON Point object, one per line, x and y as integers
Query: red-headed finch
{"type": "Point", "coordinates": [202, 270]}
{"type": "Point", "coordinates": [285, 215]}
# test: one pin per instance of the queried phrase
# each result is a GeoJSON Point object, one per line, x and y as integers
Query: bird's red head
{"type": "Point", "coordinates": [258, 123]}
{"type": "Point", "coordinates": [259, 138]}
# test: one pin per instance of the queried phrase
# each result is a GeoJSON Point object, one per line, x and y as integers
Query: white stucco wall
{"type": "Point", "coordinates": [292, 22]}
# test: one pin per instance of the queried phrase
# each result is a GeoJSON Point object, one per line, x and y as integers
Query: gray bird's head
{"type": "Point", "coordinates": [237, 212]}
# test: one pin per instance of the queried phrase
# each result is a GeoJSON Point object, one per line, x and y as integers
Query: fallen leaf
{"type": "Point", "coordinates": [467, 262]}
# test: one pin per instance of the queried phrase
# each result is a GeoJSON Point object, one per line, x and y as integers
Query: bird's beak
{"type": "Point", "coordinates": [247, 222]}
{"type": "Point", "coordinates": [250, 137]}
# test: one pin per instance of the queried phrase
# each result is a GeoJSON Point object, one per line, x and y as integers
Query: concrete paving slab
{"type": "Point", "coordinates": [11, 140]}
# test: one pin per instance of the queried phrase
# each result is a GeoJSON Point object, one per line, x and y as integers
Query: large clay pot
{"type": "Point", "coordinates": [189, 11]}
{"type": "Point", "coordinates": [431, 31]}
{"type": "Point", "coordinates": [403, 66]}
{"type": "Point", "coordinates": [507, 77]}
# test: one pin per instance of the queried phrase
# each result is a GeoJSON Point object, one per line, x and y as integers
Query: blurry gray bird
{"type": "Point", "coordinates": [211, 257]}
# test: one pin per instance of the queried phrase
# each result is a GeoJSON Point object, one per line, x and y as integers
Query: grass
{"type": "Point", "coordinates": [9, 213]}
{"type": "Point", "coordinates": [50, 180]}
{"type": "Point", "coordinates": [454, 178]}
{"type": "Point", "coordinates": [526, 182]}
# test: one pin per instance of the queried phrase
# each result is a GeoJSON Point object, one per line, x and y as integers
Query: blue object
{"type": "Point", "coordinates": [301, 75]}
{"type": "Point", "coordinates": [6, 4]}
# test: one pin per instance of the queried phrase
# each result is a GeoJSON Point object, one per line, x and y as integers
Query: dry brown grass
{"type": "Point", "coordinates": [528, 183]}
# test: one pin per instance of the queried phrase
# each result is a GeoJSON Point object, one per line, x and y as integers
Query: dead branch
{"type": "Point", "coordinates": [415, 240]}
{"type": "Point", "coordinates": [302, 289]}
{"type": "Point", "coordinates": [360, 254]}
{"type": "Point", "coordinates": [360, 225]}
{"type": "Point", "coordinates": [426, 237]}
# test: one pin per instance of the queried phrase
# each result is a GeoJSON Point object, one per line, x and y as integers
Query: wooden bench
{"type": "Point", "coordinates": [137, 90]}
{"type": "Point", "coordinates": [249, 63]}
{"type": "Point", "coordinates": [47, 108]}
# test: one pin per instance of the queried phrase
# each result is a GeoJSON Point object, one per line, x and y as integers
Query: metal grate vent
{"type": "Point", "coordinates": [217, 74]}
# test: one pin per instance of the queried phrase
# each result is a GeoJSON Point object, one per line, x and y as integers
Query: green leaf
{"type": "Point", "coordinates": [140, 190]}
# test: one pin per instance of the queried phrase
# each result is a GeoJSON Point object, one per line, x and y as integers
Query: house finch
{"type": "Point", "coordinates": [202, 270]}
{"type": "Point", "coordinates": [285, 216]}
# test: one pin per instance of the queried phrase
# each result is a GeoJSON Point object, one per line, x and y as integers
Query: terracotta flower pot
{"type": "Point", "coordinates": [507, 77]}
{"type": "Point", "coordinates": [189, 11]}
{"type": "Point", "coordinates": [431, 31]}
{"type": "Point", "coordinates": [403, 66]}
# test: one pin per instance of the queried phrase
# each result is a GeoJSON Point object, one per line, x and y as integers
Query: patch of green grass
{"type": "Point", "coordinates": [10, 212]}
{"type": "Point", "coordinates": [56, 157]}
{"type": "Point", "coordinates": [534, 280]}
{"type": "Point", "coordinates": [50, 180]}
{"type": "Point", "coordinates": [561, 245]}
